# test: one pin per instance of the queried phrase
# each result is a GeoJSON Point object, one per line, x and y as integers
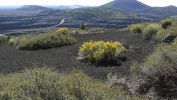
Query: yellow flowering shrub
{"type": "Point", "coordinates": [63, 31]}
{"type": "Point", "coordinates": [150, 30]}
{"type": "Point", "coordinates": [100, 50]}
{"type": "Point", "coordinates": [166, 23]}
{"type": "Point", "coordinates": [12, 41]}
{"type": "Point", "coordinates": [136, 28]}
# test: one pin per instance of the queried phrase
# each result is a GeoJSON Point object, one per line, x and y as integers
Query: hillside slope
{"type": "Point", "coordinates": [101, 12]}
{"type": "Point", "coordinates": [137, 7]}
{"type": "Point", "coordinates": [126, 5]}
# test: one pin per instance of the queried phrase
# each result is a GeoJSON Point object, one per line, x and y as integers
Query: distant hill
{"type": "Point", "coordinates": [137, 7]}
{"type": "Point", "coordinates": [69, 7]}
{"type": "Point", "coordinates": [102, 13]}
{"type": "Point", "coordinates": [163, 11]}
{"type": "Point", "coordinates": [131, 6]}
{"type": "Point", "coordinates": [33, 7]}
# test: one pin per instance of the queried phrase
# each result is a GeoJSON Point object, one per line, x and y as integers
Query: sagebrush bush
{"type": "Point", "coordinates": [100, 50]}
{"type": "Point", "coordinates": [166, 23]}
{"type": "Point", "coordinates": [160, 68]}
{"type": "Point", "coordinates": [47, 84]}
{"type": "Point", "coordinates": [172, 31]}
{"type": "Point", "coordinates": [151, 30]}
{"type": "Point", "coordinates": [136, 28]}
{"type": "Point", "coordinates": [2, 39]}
{"type": "Point", "coordinates": [63, 31]}
{"type": "Point", "coordinates": [44, 41]}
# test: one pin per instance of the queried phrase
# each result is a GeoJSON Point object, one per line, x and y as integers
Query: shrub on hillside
{"type": "Point", "coordinates": [150, 31]}
{"type": "Point", "coordinates": [63, 31]}
{"type": "Point", "coordinates": [136, 28]}
{"type": "Point", "coordinates": [2, 39]}
{"type": "Point", "coordinates": [100, 51]}
{"type": "Point", "coordinates": [44, 41]}
{"type": "Point", "coordinates": [166, 23]}
{"type": "Point", "coordinates": [160, 68]}
{"type": "Point", "coordinates": [47, 84]}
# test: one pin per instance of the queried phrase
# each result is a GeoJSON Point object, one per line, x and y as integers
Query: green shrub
{"type": "Point", "coordinates": [136, 28]}
{"type": "Point", "coordinates": [100, 51]}
{"type": "Point", "coordinates": [8, 37]}
{"type": "Point", "coordinates": [47, 84]}
{"type": "Point", "coordinates": [2, 39]}
{"type": "Point", "coordinates": [63, 31]}
{"type": "Point", "coordinates": [82, 27]}
{"type": "Point", "coordinates": [166, 23]}
{"type": "Point", "coordinates": [150, 31]}
{"type": "Point", "coordinates": [172, 31]}
{"type": "Point", "coordinates": [160, 68]}
{"type": "Point", "coordinates": [44, 41]}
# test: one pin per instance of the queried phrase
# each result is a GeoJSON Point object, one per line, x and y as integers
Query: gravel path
{"type": "Point", "coordinates": [64, 58]}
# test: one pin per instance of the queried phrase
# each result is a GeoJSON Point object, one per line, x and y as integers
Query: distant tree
{"type": "Point", "coordinates": [82, 27]}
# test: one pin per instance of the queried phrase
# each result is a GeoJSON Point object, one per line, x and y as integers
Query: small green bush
{"type": "Point", "coordinates": [136, 28]}
{"type": "Point", "coordinates": [2, 39]}
{"type": "Point", "coordinates": [166, 23]}
{"type": "Point", "coordinates": [44, 41]}
{"type": "Point", "coordinates": [150, 31]}
{"type": "Point", "coordinates": [160, 68]}
{"type": "Point", "coordinates": [47, 84]}
{"type": "Point", "coordinates": [82, 27]}
{"type": "Point", "coordinates": [100, 51]}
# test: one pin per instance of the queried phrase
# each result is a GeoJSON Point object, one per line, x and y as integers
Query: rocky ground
{"type": "Point", "coordinates": [65, 59]}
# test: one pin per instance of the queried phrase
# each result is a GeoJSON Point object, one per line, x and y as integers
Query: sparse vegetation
{"type": "Point", "coordinates": [160, 69]}
{"type": "Point", "coordinates": [92, 30]}
{"type": "Point", "coordinates": [47, 84]}
{"type": "Point", "coordinates": [44, 41]}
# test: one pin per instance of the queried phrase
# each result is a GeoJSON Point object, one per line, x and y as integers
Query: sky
{"type": "Point", "coordinates": [159, 3]}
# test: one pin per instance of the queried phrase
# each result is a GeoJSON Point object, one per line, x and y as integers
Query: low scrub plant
{"type": "Point", "coordinates": [100, 51]}
{"type": "Point", "coordinates": [44, 41]}
{"type": "Point", "coordinates": [151, 30]}
{"type": "Point", "coordinates": [160, 68]}
{"type": "Point", "coordinates": [2, 39]}
{"type": "Point", "coordinates": [12, 41]}
{"type": "Point", "coordinates": [47, 84]}
{"type": "Point", "coordinates": [136, 28]}
{"type": "Point", "coordinates": [166, 23]}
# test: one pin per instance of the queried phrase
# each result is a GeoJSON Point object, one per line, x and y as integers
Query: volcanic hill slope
{"type": "Point", "coordinates": [137, 7]}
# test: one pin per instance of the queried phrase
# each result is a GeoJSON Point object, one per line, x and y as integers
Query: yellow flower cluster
{"type": "Point", "coordinates": [12, 41]}
{"type": "Point", "coordinates": [63, 31]}
{"type": "Point", "coordinates": [99, 50]}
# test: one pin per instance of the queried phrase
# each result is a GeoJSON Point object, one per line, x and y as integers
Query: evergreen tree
{"type": "Point", "coordinates": [82, 27]}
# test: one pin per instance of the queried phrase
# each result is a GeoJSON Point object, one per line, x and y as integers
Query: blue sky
{"type": "Point", "coordinates": [80, 2]}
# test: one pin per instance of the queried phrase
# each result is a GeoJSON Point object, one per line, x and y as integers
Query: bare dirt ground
{"type": "Point", "coordinates": [64, 58]}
